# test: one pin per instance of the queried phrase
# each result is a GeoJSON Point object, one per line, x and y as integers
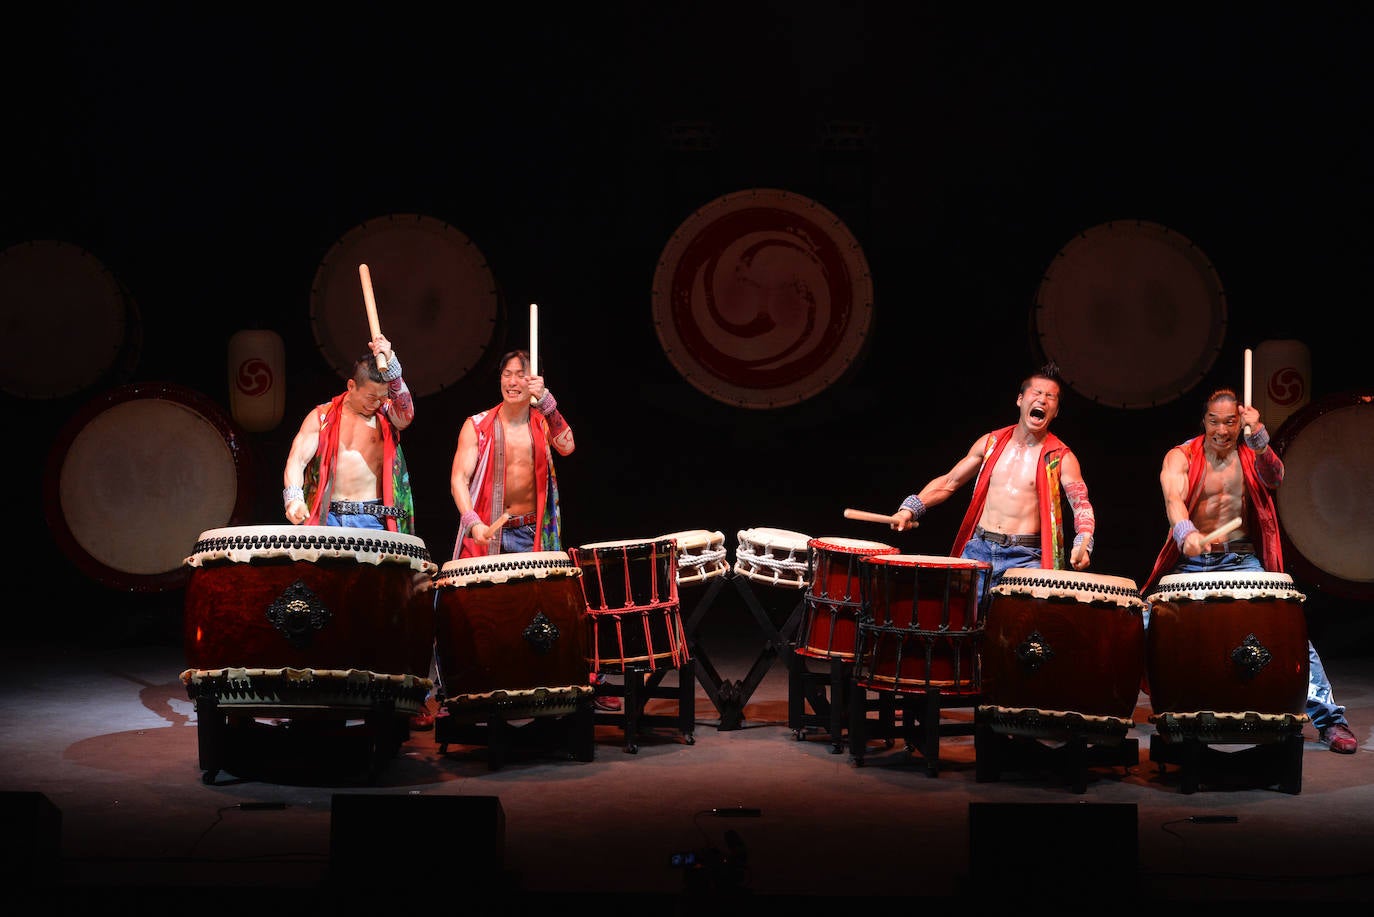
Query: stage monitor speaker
{"type": "Point", "coordinates": [32, 848]}
{"type": "Point", "coordinates": [374, 838]}
{"type": "Point", "coordinates": [1019, 849]}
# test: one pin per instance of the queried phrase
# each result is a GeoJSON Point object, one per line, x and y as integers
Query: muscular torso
{"type": "Point", "coordinates": [519, 450]}
{"type": "Point", "coordinates": [358, 464]}
{"type": "Point", "coordinates": [1223, 495]}
{"type": "Point", "coordinates": [1012, 506]}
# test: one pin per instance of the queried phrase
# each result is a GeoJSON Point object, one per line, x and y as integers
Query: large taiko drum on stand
{"type": "Point", "coordinates": [510, 633]}
{"type": "Point", "coordinates": [922, 624]}
{"type": "Point", "coordinates": [283, 620]}
{"type": "Point", "coordinates": [1064, 640]}
{"type": "Point", "coordinates": [834, 597]}
{"type": "Point", "coordinates": [634, 618]}
{"type": "Point", "coordinates": [1227, 642]}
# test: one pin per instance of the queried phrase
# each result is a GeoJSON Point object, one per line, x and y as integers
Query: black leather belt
{"type": "Point", "coordinates": [1234, 547]}
{"type": "Point", "coordinates": [368, 508]}
{"type": "Point", "coordinates": [515, 522]}
{"type": "Point", "coordinates": [1025, 541]}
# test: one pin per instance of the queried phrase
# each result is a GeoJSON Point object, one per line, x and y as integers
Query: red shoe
{"type": "Point", "coordinates": [1339, 739]}
{"type": "Point", "coordinates": [606, 702]}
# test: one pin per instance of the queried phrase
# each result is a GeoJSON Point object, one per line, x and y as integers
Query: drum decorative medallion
{"type": "Point", "coordinates": [762, 299]}
{"type": "Point", "coordinates": [437, 301]}
{"type": "Point", "coordinates": [1133, 313]}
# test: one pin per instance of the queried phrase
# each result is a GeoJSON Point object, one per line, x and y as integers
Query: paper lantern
{"type": "Point", "coordinates": [1282, 380]}
{"type": "Point", "coordinates": [257, 379]}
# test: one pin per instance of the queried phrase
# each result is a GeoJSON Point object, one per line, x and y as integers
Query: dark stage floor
{"type": "Point", "coordinates": [101, 762]}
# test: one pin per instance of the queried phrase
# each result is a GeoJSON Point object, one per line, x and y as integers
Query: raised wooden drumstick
{"type": "Point", "coordinates": [370, 304]}
{"type": "Point", "coordinates": [534, 343]}
{"type": "Point", "coordinates": [864, 516]}
{"type": "Point", "coordinates": [500, 521]}
{"type": "Point", "coordinates": [1249, 358]}
{"type": "Point", "coordinates": [1221, 532]}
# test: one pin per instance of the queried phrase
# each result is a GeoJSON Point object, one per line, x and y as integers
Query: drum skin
{"type": "Point", "coordinates": [1227, 643]}
{"type": "Point", "coordinates": [834, 597]}
{"type": "Point", "coordinates": [510, 632]}
{"type": "Point", "coordinates": [369, 608]}
{"type": "Point", "coordinates": [921, 627]}
{"type": "Point", "coordinates": [1063, 640]}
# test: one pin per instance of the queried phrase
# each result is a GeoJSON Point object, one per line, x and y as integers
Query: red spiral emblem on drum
{"type": "Point", "coordinates": [254, 377]}
{"type": "Point", "coordinates": [762, 299]}
{"type": "Point", "coordinates": [1287, 386]}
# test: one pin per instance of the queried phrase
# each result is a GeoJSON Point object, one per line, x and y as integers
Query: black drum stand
{"type": "Point", "coordinates": [1065, 742]}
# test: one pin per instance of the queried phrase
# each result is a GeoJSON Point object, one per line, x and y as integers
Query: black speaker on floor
{"type": "Point", "coordinates": [1019, 850]}
{"type": "Point", "coordinates": [31, 852]}
{"type": "Point", "coordinates": [374, 838]}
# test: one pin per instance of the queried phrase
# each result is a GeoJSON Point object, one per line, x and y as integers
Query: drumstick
{"type": "Point", "coordinates": [534, 342]}
{"type": "Point", "coordinates": [864, 516]}
{"type": "Point", "coordinates": [1221, 532]}
{"type": "Point", "coordinates": [371, 305]}
{"type": "Point", "coordinates": [1249, 359]}
{"type": "Point", "coordinates": [500, 521]}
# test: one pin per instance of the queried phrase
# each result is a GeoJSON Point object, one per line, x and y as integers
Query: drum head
{"type": "Point", "coordinates": [925, 560]}
{"type": "Point", "coordinates": [47, 291]}
{"type": "Point", "coordinates": [499, 568]}
{"type": "Point", "coordinates": [851, 546]}
{"type": "Point", "coordinates": [437, 300]}
{"type": "Point", "coordinates": [136, 476]}
{"type": "Point", "coordinates": [1075, 584]}
{"type": "Point", "coordinates": [771, 539]}
{"type": "Point", "coordinates": [1242, 585]}
{"type": "Point", "coordinates": [1142, 293]}
{"type": "Point", "coordinates": [762, 299]}
{"type": "Point", "coordinates": [1326, 502]}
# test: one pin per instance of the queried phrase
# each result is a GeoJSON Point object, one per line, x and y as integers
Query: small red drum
{"type": "Point", "coordinates": [634, 619]}
{"type": "Point", "coordinates": [510, 622]}
{"type": "Point", "coordinates": [922, 623]}
{"type": "Point", "coordinates": [777, 557]}
{"type": "Point", "coordinates": [700, 555]}
{"type": "Point", "coordinates": [1064, 640]}
{"type": "Point", "coordinates": [1227, 642]}
{"type": "Point", "coordinates": [834, 597]}
{"type": "Point", "coordinates": [318, 615]}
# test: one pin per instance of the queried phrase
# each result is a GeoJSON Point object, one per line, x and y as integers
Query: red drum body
{"type": "Point", "coordinates": [922, 623]}
{"type": "Point", "coordinates": [700, 555]}
{"type": "Point", "coordinates": [510, 622]}
{"type": "Point", "coordinates": [634, 619]}
{"type": "Point", "coordinates": [315, 605]}
{"type": "Point", "coordinates": [834, 597]}
{"type": "Point", "coordinates": [1064, 640]}
{"type": "Point", "coordinates": [1227, 642]}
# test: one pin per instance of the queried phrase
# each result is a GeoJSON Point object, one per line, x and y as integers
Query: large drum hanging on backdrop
{"type": "Point", "coordinates": [922, 625]}
{"type": "Point", "coordinates": [1326, 503]}
{"type": "Point", "coordinates": [437, 301]}
{"type": "Point", "coordinates": [1227, 642]}
{"type": "Point", "coordinates": [634, 619]}
{"type": "Point", "coordinates": [76, 326]}
{"type": "Point", "coordinates": [762, 299]}
{"type": "Point", "coordinates": [1064, 640]}
{"type": "Point", "coordinates": [1133, 312]}
{"type": "Point", "coordinates": [136, 475]}
{"type": "Point", "coordinates": [309, 616]}
{"type": "Point", "coordinates": [834, 597]}
{"type": "Point", "coordinates": [513, 625]}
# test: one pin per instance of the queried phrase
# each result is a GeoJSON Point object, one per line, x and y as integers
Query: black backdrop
{"type": "Point", "coordinates": [210, 162]}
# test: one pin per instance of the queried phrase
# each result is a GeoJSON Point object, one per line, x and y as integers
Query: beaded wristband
{"type": "Point", "coordinates": [1182, 529]}
{"type": "Point", "coordinates": [470, 518]}
{"type": "Point", "coordinates": [913, 505]}
{"type": "Point", "coordinates": [1258, 439]}
{"type": "Point", "coordinates": [546, 405]}
{"type": "Point", "coordinates": [393, 369]}
{"type": "Point", "coordinates": [291, 495]}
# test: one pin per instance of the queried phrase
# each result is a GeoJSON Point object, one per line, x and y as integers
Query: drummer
{"type": "Point", "coordinates": [1015, 517]}
{"type": "Point", "coordinates": [346, 466]}
{"type": "Point", "coordinates": [503, 466]}
{"type": "Point", "coordinates": [1225, 474]}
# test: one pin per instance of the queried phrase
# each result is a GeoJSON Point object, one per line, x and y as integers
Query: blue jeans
{"type": "Point", "coordinates": [518, 540]}
{"type": "Point", "coordinates": [1002, 558]}
{"type": "Point", "coordinates": [355, 521]}
{"type": "Point", "coordinates": [1322, 708]}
